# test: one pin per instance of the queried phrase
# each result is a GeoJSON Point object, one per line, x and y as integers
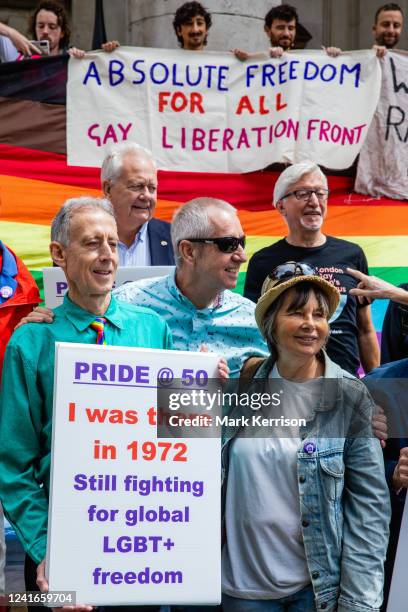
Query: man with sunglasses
{"type": "Point", "coordinates": [300, 196]}
{"type": "Point", "coordinates": [196, 300]}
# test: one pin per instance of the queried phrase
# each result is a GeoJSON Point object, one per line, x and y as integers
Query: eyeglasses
{"type": "Point", "coordinates": [304, 195]}
{"type": "Point", "coordinates": [226, 244]}
{"type": "Point", "coordinates": [289, 270]}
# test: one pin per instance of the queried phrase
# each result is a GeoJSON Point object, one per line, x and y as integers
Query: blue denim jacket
{"type": "Point", "coordinates": [344, 500]}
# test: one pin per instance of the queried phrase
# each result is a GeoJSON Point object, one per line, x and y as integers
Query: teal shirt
{"type": "Point", "coordinates": [26, 403]}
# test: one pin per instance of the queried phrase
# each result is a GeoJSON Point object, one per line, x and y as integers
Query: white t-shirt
{"type": "Point", "coordinates": [264, 556]}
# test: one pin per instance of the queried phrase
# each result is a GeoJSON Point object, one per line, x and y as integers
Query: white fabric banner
{"type": "Point", "coordinates": [383, 163]}
{"type": "Point", "coordinates": [210, 112]}
{"type": "Point", "coordinates": [134, 518]}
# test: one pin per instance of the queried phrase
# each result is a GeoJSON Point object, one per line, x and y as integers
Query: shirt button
{"type": "Point", "coordinates": [305, 523]}
{"type": "Point", "coordinates": [302, 478]}
{"type": "Point", "coordinates": [315, 575]}
{"type": "Point", "coordinates": [323, 606]}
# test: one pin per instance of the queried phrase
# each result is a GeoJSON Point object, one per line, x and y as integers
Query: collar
{"type": "Point", "coordinates": [331, 393]}
{"type": "Point", "coordinates": [180, 297]}
{"type": "Point", "coordinates": [81, 319]}
{"type": "Point", "coordinates": [140, 237]}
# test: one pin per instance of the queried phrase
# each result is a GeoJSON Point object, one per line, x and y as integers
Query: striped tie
{"type": "Point", "coordinates": [99, 326]}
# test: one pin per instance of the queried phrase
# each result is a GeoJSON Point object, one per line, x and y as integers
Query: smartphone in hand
{"type": "Point", "coordinates": [42, 45]}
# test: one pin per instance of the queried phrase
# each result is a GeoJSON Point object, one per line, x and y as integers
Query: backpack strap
{"type": "Point", "coordinates": [248, 371]}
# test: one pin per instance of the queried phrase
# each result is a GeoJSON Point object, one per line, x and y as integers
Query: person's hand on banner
{"type": "Point", "coordinates": [379, 425]}
{"type": "Point", "coordinates": [110, 46]}
{"type": "Point", "coordinates": [41, 579]}
{"type": "Point", "coordinates": [380, 51]}
{"type": "Point", "coordinates": [240, 54]}
{"type": "Point", "coordinates": [276, 52]}
{"type": "Point", "coordinates": [400, 476]}
{"type": "Point", "coordinates": [42, 584]}
{"type": "Point", "coordinates": [40, 314]}
{"type": "Point", "coordinates": [332, 51]}
{"type": "Point", "coordinates": [77, 53]}
{"type": "Point", "coordinates": [223, 369]}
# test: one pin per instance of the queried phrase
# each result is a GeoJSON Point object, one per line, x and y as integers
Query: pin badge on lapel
{"type": "Point", "coordinates": [309, 448]}
{"type": "Point", "coordinates": [6, 292]}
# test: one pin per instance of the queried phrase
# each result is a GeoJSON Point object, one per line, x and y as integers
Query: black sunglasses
{"type": "Point", "coordinates": [226, 244]}
{"type": "Point", "coordinates": [289, 270]}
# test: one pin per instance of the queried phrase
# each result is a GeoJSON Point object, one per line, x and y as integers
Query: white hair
{"type": "Point", "coordinates": [291, 175]}
{"type": "Point", "coordinates": [113, 160]}
{"type": "Point", "coordinates": [193, 220]}
{"type": "Point", "coordinates": [61, 222]}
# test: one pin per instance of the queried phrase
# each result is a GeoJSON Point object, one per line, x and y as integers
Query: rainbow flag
{"type": "Point", "coordinates": [35, 180]}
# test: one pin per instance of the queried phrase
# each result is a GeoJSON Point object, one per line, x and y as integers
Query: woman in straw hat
{"type": "Point", "coordinates": [306, 507]}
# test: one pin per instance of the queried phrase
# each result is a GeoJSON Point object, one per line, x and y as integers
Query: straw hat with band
{"type": "Point", "coordinates": [273, 287]}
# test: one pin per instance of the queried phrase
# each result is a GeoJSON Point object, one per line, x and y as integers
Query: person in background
{"type": "Point", "coordinates": [387, 28]}
{"type": "Point", "coordinates": [281, 23]}
{"type": "Point", "coordinates": [129, 181]}
{"type": "Point", "coordinates": [49, 22]}
{"type": "Point", "coordinates": [301, 198]}
{"type": "Point", "coordinates": [191, 24]}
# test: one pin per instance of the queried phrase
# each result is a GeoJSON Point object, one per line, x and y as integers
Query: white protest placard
{"type": "Point", "coordinates": [383, 162]}
{"type": "Point", "coordinates": [133, 519]}
{"type": "Point", "coordinates": [210, 112]}
{"type": "Point", "coordinates": [56, 286]}
{"type": "Point", "coordinates": [398, 596]}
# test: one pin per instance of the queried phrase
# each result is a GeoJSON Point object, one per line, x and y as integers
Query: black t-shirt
{"type": "Point", "coordinates": [394, 339]}
{"type": "Point", "coordinates": [330, 261]}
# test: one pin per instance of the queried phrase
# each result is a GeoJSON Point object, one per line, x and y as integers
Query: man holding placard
{"type": "Point", "coordinates": [84, 244]}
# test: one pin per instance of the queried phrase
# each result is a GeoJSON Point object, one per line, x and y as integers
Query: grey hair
{"type": "Point", "coordinates": [193, 220]}
{"type": "Point", "coordinates": [113, 161]}
{"type": "Point", "coordinates": [291, 175]}
{"type": "Point", "coordinates": [61, 222]}
{"type": "Point", "coordinates": [302, 293]}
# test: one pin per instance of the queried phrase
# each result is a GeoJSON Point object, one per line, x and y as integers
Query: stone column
{"type": "Point", "coordinates": [235, 23]}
